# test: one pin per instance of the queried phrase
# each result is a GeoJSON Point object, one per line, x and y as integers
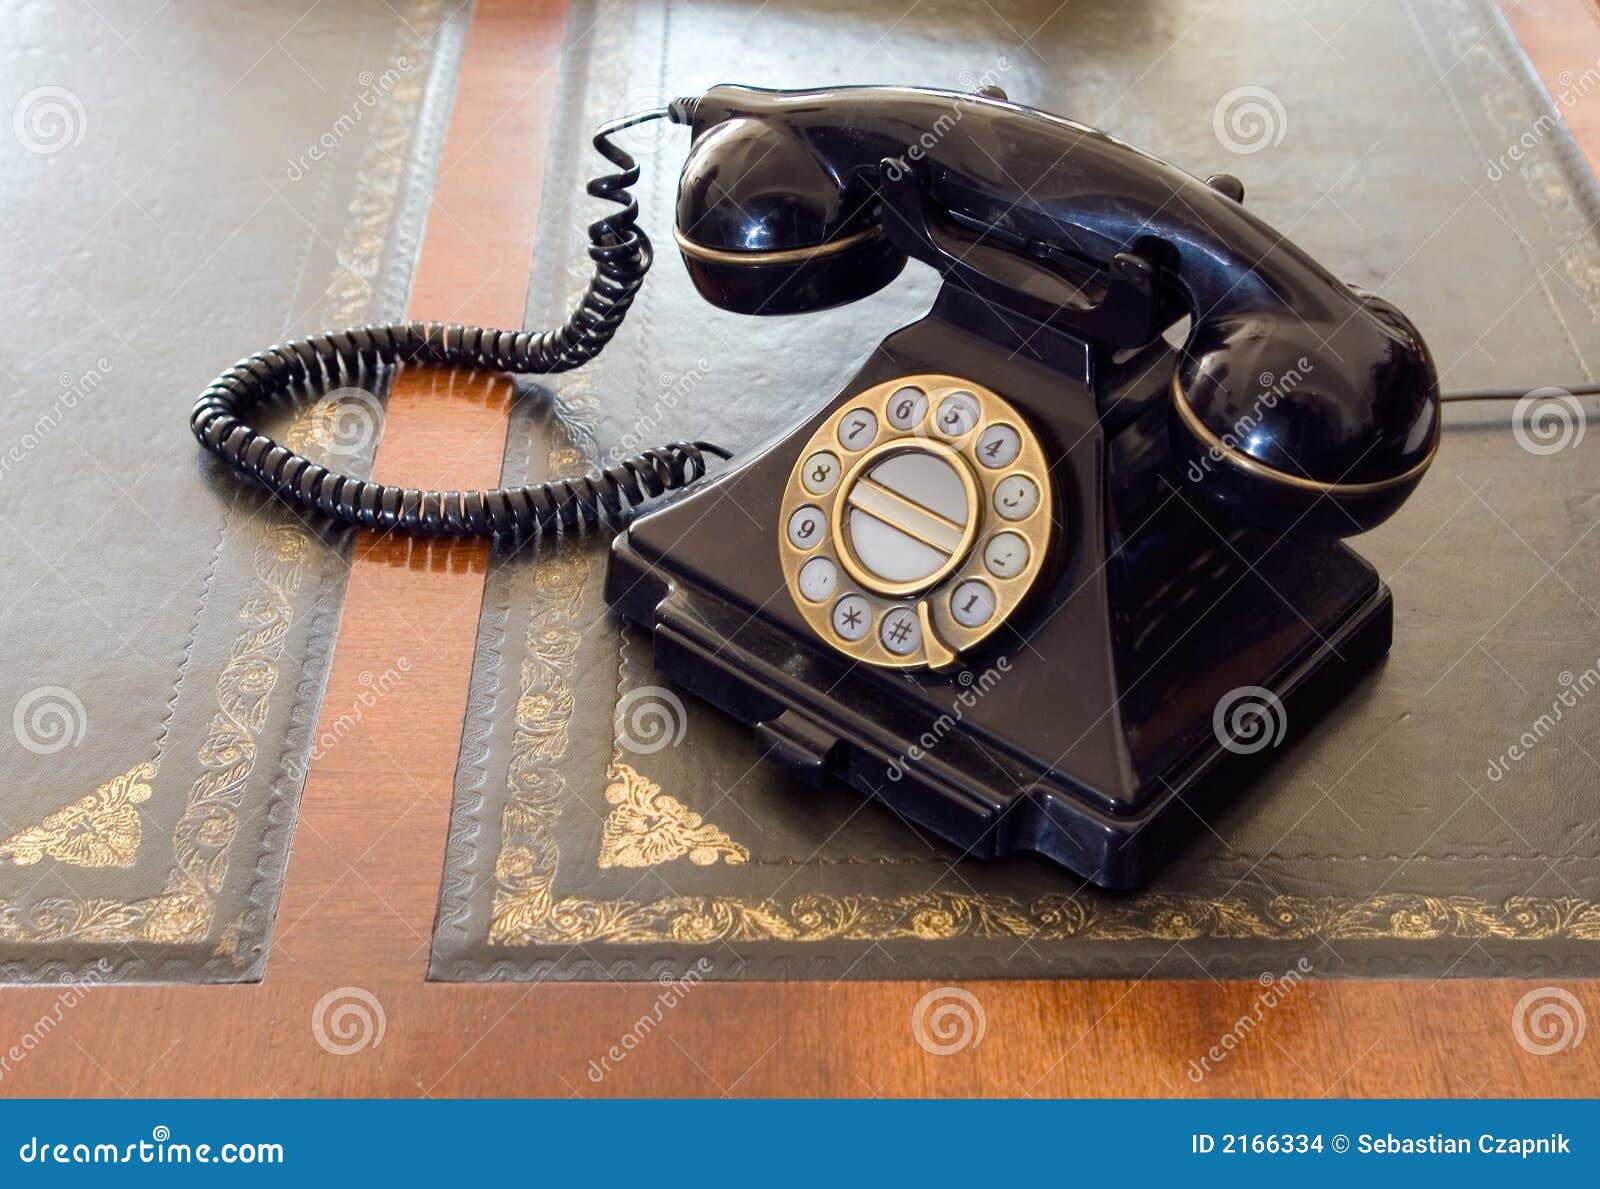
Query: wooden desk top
{"type": "Point", "coordinates": [359, 901]}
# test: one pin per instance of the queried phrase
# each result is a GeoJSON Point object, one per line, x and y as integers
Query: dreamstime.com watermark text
{"type": "Point", "coordinates": [1270, 390]}
{"type": "Point", "coordinates": [974, 687]}
{"type": "Point", "coordinates": [1574, 690]}
{"type": "Point", "coordinates": [674, 989]}
{"type": "Point", "coordinates": [373, 690]}
{"type": "Point", "coordinates": [1570, 90]}
{"type": "Point", "coordinates": [373, 89]}
{"type": "Point", "coordinates": [672, 391]}
{"type": "Point", "coordinates": [74, 990]}
{"type": "Point", "coordinates": [898, 167]}
{"type": "Point", "coordinates": [1274, 990]}
{"type": "Point", "coordinates": [74, 387]}
{"type": "Point", "coordinates": [160, 1148]}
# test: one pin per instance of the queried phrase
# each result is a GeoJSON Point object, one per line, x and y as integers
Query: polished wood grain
{"type": "Point", "coordinates": [359, 902]}
{"type": "Point", "coordinates": [363, 877]}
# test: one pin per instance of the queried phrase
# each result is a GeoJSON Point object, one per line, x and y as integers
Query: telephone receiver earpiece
{"type": "Point", "coordinates": [1298, 403]}
{"type": "Point", "coordinates": [765, 228]}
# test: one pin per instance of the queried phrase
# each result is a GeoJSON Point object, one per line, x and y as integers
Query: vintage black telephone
{"type": "Point", "coordinates": [1034, 578]}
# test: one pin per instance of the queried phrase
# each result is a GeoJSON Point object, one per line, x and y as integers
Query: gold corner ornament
{"type": "Point", "coordinates": [184, 910]}
{"type": "Point", "coordinates": [100, 830]}
{"type": "Point", "coordinates": [648, 827]}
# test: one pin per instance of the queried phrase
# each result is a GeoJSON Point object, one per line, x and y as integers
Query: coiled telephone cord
{"type": "Point", "coordinates": [622, 254]}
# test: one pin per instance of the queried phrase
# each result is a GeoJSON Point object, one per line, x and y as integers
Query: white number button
{"type": "Point", "coordinates": [818, 577]}
{"type": "Point", "coordinates": [900, 631]}
{"type": "Point", "coordinates": [958, 413]}
{"type": "Point", "coordinates": [821, 472]}
{"type": "Point", "coordinates": [1015, 497]}
{"type": "Point", "coordinates": [1005, 555]}
{"type": "Point", "coordinates": [972, 603]}
{"type": "Point", "coordinates": [852, 616]}
{"type": "Point", "coordinates": [907, 407]}
{"type": "Point", "coordinates": [808, 528]}
{"type": "Point", "coordinates": [858, 429]}
{"type": "Point", "coordinates": [998, 446]}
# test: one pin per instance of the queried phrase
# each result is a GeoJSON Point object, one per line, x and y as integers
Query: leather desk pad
{"type": "Point", "coordinates": [608, 827]}
{"type": "Point", "coordinates": [164, 632]}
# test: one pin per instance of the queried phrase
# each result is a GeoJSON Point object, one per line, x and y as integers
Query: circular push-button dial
{"type": "Point", "coordinates": [1006, 555]}
{"type": "Point", "coordinates": [999, 445]}
{"type": "Point", "coordinates": [907, 407]}
{"type": "Point", "coordinates": [916, 521]}
{"type": "Point", "coordinates": [958, 414]}
{"type": "Point", "coordinates": [1016, 497]}
{"type": "Point", "coordinates": [972, 603]}
{"type": "Point", "coordinates": [901, 632]}
{"type": "Point", "coordinates": [808, 527]}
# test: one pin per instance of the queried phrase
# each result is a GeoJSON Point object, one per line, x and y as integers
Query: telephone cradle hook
{"type": "Point", "coordinates": [1115, 303]}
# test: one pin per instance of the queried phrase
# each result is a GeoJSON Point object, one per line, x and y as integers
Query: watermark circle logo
{"type": "Point", "coordinates": [49, 718]}
{"type": "Point", "coordinates": [1249, 719]}
{"type": "Point", "coordinates": [1548, 1020]}
{"type": "Point", "coordinates": [48, 120]}
{"type": "Point", "coordinates": [947, 1020]}
{"type": "Point", "coordinates": [649, 137]}
{"type": "Point", "coordinates": [347, 1020]}
{"type": "Point", "coordinates": [650, 719]}
{"type": "Point", "coordinates": [1548, 421]}
{"type": "Point", "coordinates": [1249, 119]}
{"type": "Point", "coordinates": [354, 419]}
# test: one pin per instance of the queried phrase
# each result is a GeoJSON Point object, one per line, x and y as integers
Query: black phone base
{"type": "Point", "coordinates": [1169, 655]}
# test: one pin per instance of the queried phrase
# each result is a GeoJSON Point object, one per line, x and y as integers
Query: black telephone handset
{"type": "Point", "coordinates": [780, 210]}
{"type": "Point", "coordinates": [1033, 578]}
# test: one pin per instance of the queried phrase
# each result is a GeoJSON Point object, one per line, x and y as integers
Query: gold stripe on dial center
{"type": "Point", "coordinates": [909, 517]}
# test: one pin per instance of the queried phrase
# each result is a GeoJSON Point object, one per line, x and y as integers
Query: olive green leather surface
{"type": "Point", "coordinates": [606, 827]}
{"type": "Point", "coordinates": [183, 183]}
